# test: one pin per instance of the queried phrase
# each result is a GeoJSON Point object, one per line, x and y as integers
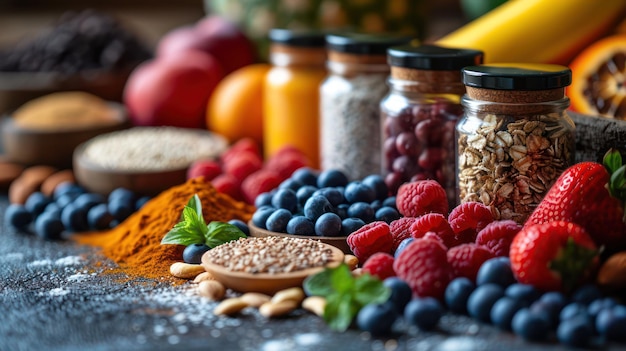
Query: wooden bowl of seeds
{"type": "Point", "coordinates": [146, 160]}
{"type": "Point", "coordinates": [336, 241]}
{"type": "Point", "coordinates": [269, 264]}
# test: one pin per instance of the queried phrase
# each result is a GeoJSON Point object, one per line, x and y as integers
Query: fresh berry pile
{"type": "Point", "coordinates": [324, 204]}
{"type": "Point", "coordinates": [241, 173]}
{"type": "Point", "coordinates": [72, 209]}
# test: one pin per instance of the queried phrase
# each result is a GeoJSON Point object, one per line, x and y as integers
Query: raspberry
{"type": "Point", "coordinates": [380, 265]}
{"type": "Point", "coordinates": [433, 236]}
{"type": "Point", "coordinates": [208, 169]}
{"type": "Point", "coordinates": [424, 266]}
{"type": "Point", "coordinates": [466, 259]}
{"type": "Point", "coordinates": [437, 223]}
{"type": "Point", "coordinates": [420, 197]}
{"type": "Point", "coordinates": [227, 184]}
{"type": "Point", "coordinates": [259, 182]}
{"type": "Point", "coordinates": [467, 219]}
{"type": "Point", "coordinates": [498, 235]}
{"type": "Point", "coordinates": [286, 161]}
{"type": "Point", "coordinates": [242, 165]}
{"type": "Point", "coordinates": [400, 230]}
{"type": "Point", "coordinates": [369, 239]}
{"type": "Point", "coordinates": [243, 145]}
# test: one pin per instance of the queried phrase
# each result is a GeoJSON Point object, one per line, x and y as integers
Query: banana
{"type": "Point", "coordinates": [539, 31]}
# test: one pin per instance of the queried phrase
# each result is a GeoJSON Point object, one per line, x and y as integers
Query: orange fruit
{"type": "Point", "coordinates": [235, 109]}
{"type": "Point", "coordinates": [599, 78]}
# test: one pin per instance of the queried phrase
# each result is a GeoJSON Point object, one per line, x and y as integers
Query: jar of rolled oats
{"type": "Point", "coordinates": [420, 113]}
{"type": "Point", "coordinates": [515, 137]}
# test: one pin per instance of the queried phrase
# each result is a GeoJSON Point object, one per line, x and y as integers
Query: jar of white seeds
{"type": "Point", "coordinates": [349, 96]}
{"type": "Point", "coordinates": [515, 137]}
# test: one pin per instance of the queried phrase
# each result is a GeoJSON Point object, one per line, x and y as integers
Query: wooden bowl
{"type": "Point", "coordinates": [338, 242]}
{"type": "Point", "coordinates": [99, 179]}
{"type": "Point", "coordinates": [53, 148]}
{"type": "Point", "coordinates": [264, 282]}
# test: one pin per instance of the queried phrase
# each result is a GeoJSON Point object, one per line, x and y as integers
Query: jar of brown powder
{"type": "Point", "coordinates": [515, 138]}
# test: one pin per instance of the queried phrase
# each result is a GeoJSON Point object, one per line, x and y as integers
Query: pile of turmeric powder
{"type": "Point", "coordinates": [135, 244]}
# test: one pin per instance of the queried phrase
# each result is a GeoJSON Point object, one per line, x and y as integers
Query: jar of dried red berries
{"type": "Point", "coordinates": [420, 113]}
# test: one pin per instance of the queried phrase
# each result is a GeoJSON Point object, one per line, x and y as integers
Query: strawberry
{"type": "Point", "coordinates": [553, 256]}
{"type": "Point", "coordinates": [592, 196]}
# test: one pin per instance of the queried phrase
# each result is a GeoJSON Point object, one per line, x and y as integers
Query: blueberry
{"type": "Point", "coordinates": [74, 218]}
{"type": "Point", "coordinates": [316, 206]}
{"type": "Point", "coordinates": [334, 195]}
{"type": "Point", "coordinates": [386, 214]}
{"type": "Point", "coordinates": [359, 192]}
{"type": "Point", "coordinates": [99, 218]}
{"type": "Point", "coordinates": [423, 312]}
{"type": "Point", "coordinates": [291, 184]}
{"type": "Point", "coordinates": [141, 201]}
{"type": "Point", "coordinates": [351, 225]}
{"type": "Point", "coordinates": [53, 210]}
{"type": "Point", "coordinates": [376, 205]}
{"type": "Point", "coordinates": [572, 310]}
{"type": "Point", "coordinates": [300, 225]}
{"type": "Point", "coordinates": [286, 199]}
{"type": "Point", "coordinates": [377, 183]}
{"type": "Point", "coordinates": [403, 244]}
{"type": "Point", "coordinates": [376, 318]}
{"type": "Point", "coordinates": [277, 221]}
{"type": "Point", "coordinates": [305, 175]}
{"type": "Point", "coordinates": [66, 199]}
{"type": "Point", "coordinates": [122, 193]}
{"type": "Point", "coordinates": [611, 323]}
{"type": "Point", "coordinates": [503, 311]}
{"type": "Point", "coordinates": [328, 224]}
{"type": "Point", "coordinates": [529, 325]}
{"type": "Point", "coordinates": [525, 293]}
{"type": "Point", "coordinates": [496, 270]}
{"type": "Point", "coordinates": [342, 210]}
{"type": "Point", "coordinates": [390, 201]}
{"type": "Point", "coordinates": [401, 293]}
{"type": "Point", "coordinates": [599, 304]}
{"type": "Point", "coordinates": [549, 305]}
{"type": "Point", "coordinates": [575, 332]}
{"type": "Point", "coordinates": [66, 188]}
{"type": "Point", "coordinates": [482, 299]}
{"type": "Point", "coordinates": [121, 207]}
{"type": "Point", "coordinates": [304, 193]}
{"type": "Point", "coordinates": [18, 216]}
{"type": "Point", "coordinates": [36, 203]}
{"type": "Point", "coordinates": [361, 210]}
{"type": "Point", "coordinates": [260, 216]}
{"type": "Point", "coordinates": [241, 225]}
{"type": "Point", "coordinates": [88, 200]}
{"type": "Point", "coordinates": [457, 294]}
{"type": "Point", "coordinates": [586, 294]}
{"type": "Point", "coordinates": [193, 253]}
{"type": "Point", "coordinates": [48, 227]}
{"type": "Point", "coordinates": [331, 177]}
{"type": "Point", "coordinates": [263, 199]}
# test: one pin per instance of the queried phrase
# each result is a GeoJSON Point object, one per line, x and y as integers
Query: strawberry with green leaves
{"type": "Point", "coordinates": [554, 256]}
{"type": "Point", "coordinates": [591, 195]}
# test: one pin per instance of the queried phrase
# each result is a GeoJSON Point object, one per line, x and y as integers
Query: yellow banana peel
{"type": "Point", "coordinates": [538, 31]}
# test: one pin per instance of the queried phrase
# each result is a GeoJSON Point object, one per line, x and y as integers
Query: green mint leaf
{"type": "Point", "coordinates": [340, 311]}
{"type": "Point", "coordinates": [193, 222]}
{"type": "Point", "coordinates": [612, 160]}
{"type": "Point", "coordinates": [182, 235]}
{"type": "Point", "coordinates": [341, 279]}
{"type": "Point", "coordinates": [369, 289]}
{"type": "Point", "coordinates": [196, 204]}
{"type": "Point", "coordinates": [319, 284]}
{"type": "Point", "coordinates": [219, 233]}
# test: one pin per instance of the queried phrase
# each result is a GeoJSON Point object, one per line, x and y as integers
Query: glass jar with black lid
{"type": "Point", "coordinates": [515, 137]}
{"type": "Point", "coordinates": [420, 113]}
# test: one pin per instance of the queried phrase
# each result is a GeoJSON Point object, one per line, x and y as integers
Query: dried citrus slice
{"type": "Point", "coordinates": [599, 78]}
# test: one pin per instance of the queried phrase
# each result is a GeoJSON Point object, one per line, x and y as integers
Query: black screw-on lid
{"type": "Point", "coordinates": [517, 76]}
{"type": "Point", "coordinates": [365, 44]}
{"type": "Point", "coordinates": [431, 57]}
{"type": "Point", "coordinates": [300, 38]}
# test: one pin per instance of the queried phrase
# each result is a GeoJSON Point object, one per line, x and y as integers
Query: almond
{"type": "Point", "coordinates": [211, 289]}
{"type": "Point", "coordinates": [48, 185]}
{"type": "Point", "coordinates": [612, 274]}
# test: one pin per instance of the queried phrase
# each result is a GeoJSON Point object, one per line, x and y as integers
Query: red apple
{"type": "Point", "coordinates": [214, 35]}
{"type": "Point", "coordinates": [172, 90]}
